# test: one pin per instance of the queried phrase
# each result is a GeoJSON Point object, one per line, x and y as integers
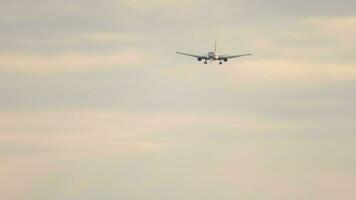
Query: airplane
{"type": "Point", "coordinates": [213, 56]}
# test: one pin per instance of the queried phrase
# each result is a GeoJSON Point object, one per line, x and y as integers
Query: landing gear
{"type": "Point", "coordinates": [205, 62]}
{"type": "Point", "coordinates": [220, 63]}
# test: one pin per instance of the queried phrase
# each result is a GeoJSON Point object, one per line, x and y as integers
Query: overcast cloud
{"type": "Point", "coordinates": [95, 104]}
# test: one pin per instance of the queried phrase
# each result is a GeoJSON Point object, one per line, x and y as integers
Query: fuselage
{"type": "Point", "coordinates": [213, 56]}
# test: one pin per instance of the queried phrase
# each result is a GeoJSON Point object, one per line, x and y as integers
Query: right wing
{"type": "Point", "coordinates": [191, 55]}
{"type": "Point", "coordinates": [236, 56]}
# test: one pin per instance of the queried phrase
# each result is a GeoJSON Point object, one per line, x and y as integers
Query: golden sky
{"type": "Point", "coordinates": [95, 104]}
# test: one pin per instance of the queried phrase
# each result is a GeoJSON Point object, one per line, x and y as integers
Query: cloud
{"type": "Point", "coordinates": [79, 133]}
{"type": "Point", "coordinates": [277, 8]}
{"type": "Point", "coordinates": [342, 27]}
{"type": "Point", "coordinates": [66, 153]}
{"type": "Point", "coordinates": [96, 105]}
{"type": "Point", "coordinates": [233, 154]}
{"type": "Point", "coordinates": [48, 64]}
{"type": "Point", "coordinates": [264, 72]}
{"type": "Point", "coordinates": [142, 5]}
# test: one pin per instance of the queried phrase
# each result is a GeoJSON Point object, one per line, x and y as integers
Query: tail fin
{"type": "Point", "coordinates": [215, 47]}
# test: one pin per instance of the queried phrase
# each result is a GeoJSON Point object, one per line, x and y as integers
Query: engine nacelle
{"type": "Point", "coordinates": [225, 59]}
{"type": "Point", "coordinates": [200, 59]}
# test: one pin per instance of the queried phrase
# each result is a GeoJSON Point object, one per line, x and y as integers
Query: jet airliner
{"type": "Point", "coordinates": [213, 56]}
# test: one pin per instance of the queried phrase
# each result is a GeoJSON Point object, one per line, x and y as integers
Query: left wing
{"type": "Point", "coordinates": [192, 55]}
{"type": "Point", "coordinates": [235, 56]}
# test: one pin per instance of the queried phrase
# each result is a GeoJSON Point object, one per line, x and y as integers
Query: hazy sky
{"type": "Point", "coordinates": [95, 104]}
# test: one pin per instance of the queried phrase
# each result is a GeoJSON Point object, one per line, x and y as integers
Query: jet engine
{"type": "Point", "coordinates": [200, 59]}
{"type": "Point", "coordinates": [225, 59]}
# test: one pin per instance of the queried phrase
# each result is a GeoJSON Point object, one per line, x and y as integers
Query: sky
{"type": "Point", "coordinates": [95, 104]}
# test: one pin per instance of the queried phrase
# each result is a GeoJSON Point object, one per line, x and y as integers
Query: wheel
{"type": "Point", "coordinates": [205, 62]}
{"type": "Point", "coordinates": [220, 63]}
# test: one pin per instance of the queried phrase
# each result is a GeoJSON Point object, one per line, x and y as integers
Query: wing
{"type": "Point", "coordinates": [192, 55]}
{"type": "Point", "coordinates": [236, 56]}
